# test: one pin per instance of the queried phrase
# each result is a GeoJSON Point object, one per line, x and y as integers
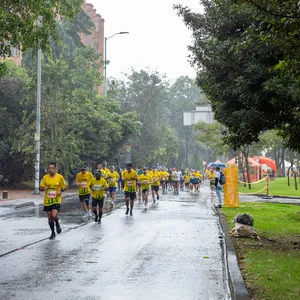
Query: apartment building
{"type": "Point", "coordinates": [96, 37]}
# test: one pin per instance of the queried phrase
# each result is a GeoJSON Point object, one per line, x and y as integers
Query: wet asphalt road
{"type": "Point", "coordinates": [169, 251]}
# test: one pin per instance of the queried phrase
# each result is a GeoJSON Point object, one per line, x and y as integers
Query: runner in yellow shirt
{"type": "Point", "coordinates": [155, 182]}
{"type": "Point", "coordinates": [98, 187]}
{"type": "Point", "coordinates": [164, 175]}
{"type": "Point", "coordinates": [102, 170]}
{"type": "Point", "coordinates": [129, 177]}
{"type": "Point", "coordinates": [53, 184]}
{"type": "Point", "coordinates": [83, 180]}
{"type": "Point", "coordinates": [211, 176]}
{"type": "Point", "coordinates": [145, 180]}
{"type": "Point", "coordinates": [207, 171]}
{"type": "Point", "coordinates": [196, 182]}
{"type": "Point", "coordinates": [187, 179]}
{"type": "Point", "coordinates": [112, 178]}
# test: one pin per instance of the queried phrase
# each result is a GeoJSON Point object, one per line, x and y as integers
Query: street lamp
{"type": "Point", "coordinates": [105, 61]}
{"type": "Point", "coordinates": [38, 118]}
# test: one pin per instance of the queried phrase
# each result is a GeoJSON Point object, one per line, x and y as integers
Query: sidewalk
{"type": "Point", "coordinates": [25, 197]}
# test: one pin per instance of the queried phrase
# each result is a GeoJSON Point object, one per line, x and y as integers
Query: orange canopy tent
{"type": "Point", "coordinates": [265, 160]}
{"type": "Point", "coordinates": [251, 162]}
{"type": "Point", "coordinates": [254, 170]}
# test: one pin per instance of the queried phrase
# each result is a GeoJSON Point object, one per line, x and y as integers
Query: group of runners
{"type": "Point", "coordinates": [136, 184]}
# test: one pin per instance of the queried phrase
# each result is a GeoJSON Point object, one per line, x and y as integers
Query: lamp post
{"type": "Point", "coordinates": [105, 58]}
{"type": "Point", "coordinates": [38, 119]}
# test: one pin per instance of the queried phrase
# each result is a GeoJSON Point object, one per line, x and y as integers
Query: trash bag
{"type": "Point", "coordinates": [244, 219]}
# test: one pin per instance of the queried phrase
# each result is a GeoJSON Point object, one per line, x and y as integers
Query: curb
{"type": "Point", "coordinates": [274, 196]}
{"type": "Point", "coordinates": [236, 283]}
{"type": "Point", "coordinates": [25, 204]}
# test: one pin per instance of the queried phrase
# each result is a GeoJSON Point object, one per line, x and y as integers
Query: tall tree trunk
{"type": "Point", "coordinates": [247, 170]}
{"type": "Point", "coordinates": [288, 175]}
{"type": "Point", "coordinates": [295, 179]}
{"type": "Point", "coordinates": [243, 168]}
{"type": "Point", "coordinates": [282, 162]}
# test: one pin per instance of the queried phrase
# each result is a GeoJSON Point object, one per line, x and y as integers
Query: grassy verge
{"type": "Point", "coordinates": [279, 187]}
{"type": "Point", "coordinates": [270, 266]}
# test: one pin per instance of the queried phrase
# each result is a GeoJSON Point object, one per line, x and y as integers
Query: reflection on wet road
{"type": "Point", "coordinates": [169, 251]}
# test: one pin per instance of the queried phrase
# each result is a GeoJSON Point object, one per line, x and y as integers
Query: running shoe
{"type": "Point", "coordinates": [131, 213]}
{"type": "Point", "coordinates": [52, 236]}
{"type": "Point", "coordinates": [58, 228]}
{"type": "Point", "coordinates": [127, 210]}
{"type": "Point", "coordinates": [157, 197]}
{"type": "Point", "coordinates": [96, 218]}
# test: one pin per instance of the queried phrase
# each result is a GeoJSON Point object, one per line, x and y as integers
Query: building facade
{"type": "Point", "coordinates": [96, 38]}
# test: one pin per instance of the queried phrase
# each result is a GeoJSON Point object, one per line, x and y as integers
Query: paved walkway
{"type": "Point", "coordinates": [20, 194]}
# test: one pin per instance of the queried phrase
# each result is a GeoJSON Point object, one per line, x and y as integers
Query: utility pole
{"type": "Point", "coordinates": [37, 137]}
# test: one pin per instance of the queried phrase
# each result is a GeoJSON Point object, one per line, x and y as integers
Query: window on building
{"type": "Point", "coordinates": [88, 39]}
{"type": "Point", "coordinates": [15, 51]}
{"type": "Point", "coordinates": [96, 25]}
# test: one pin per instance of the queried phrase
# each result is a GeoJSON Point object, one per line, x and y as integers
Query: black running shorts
{"type": "Point", "coordinates": [131, 195]}
{"type": "Point", "coordinates": [96, 202]}
{"type": "Point", "coordinates": [52, 207]}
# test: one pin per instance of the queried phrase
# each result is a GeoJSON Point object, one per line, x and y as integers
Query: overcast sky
{"type": "Point", "coordinates": [157, 38]}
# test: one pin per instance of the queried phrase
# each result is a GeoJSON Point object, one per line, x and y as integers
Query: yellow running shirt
{"type": "Point", "coordinates": [164, 175]}
{"type": "Point", "coordinates": [98, 187]}
{"type": "Point", "coordinates": [197, 175]}
{"type": "Point", "coordinates": [129, 181]}
{"type": "Point", "coordinates": [103, 172]}
{"type": "Point", "coordinates": [212, 177]}
{"type": "Point", "coordinates": [112, 178]}
{"type": "Point", "coordinates": [83, 181]}
{"type": "Point", "coordinates": [54, 185]}
{"type": "Point", "coordinates": [187, 178]}
{"type": "Point", "coordinates": [145, 181]}
{"type": "Point", "coordinates": [155, 177]}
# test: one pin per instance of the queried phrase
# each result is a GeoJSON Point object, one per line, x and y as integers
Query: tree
{"type": "Point", "coordinates": [20, 28]}
{"type": "Point", "coordinates": [211, 135]}
{"type": "Point", "coordinates": [12, 163]}
{"type": "Point", "coordinates": [184, 95]}
{"type": "Point", "coordinates": [160, 106]}
{"type": "Point", "coordinates": [247, 55]}
{"type": "Point", "coordinates": [146, 92]}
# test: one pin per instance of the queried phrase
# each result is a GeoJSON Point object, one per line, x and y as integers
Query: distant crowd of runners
{"type": "Point", "coordinates": [135, 183]}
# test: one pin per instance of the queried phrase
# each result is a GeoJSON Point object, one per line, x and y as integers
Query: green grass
{"type": "Point", "coordinates": [271, 265]}
{"type": "Point", "coordinates": [273, 274]}
{"type": "Point", "coordinates": [278, 187]}
{"type": "Point", "coordinates": [270, 219]}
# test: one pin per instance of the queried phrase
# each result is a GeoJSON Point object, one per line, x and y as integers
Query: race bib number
{"type": "Point", "coordinates": [154, 179]}
{"type": "Point", "coordinates": [83, 184]}
{"type": "Point", "coordinates": [112, 180]}
{"type": "Point", "coordinates": [130, 186]}
{"type": "Point", "coordinates": [98, 187]}
{"type": "Point", "coordinates": [145, 181]}
{"type": "Point", "coordinates": [51, 194]}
